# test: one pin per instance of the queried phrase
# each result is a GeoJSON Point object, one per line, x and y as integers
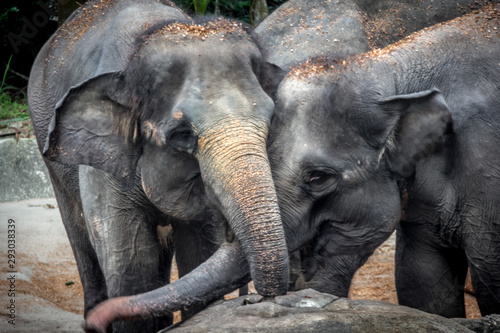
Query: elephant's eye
{"type": "Point", "coordinates": [319, 181]}
{"type": "Point", "coordinates": [183, 139]}
{"type": "Point", "coordinates": [316, 176]}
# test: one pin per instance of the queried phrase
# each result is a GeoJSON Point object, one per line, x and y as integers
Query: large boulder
{"type": "Point", "coordinates": [312, 311]}
{"type": "Point", "coordinates": [23, 174]}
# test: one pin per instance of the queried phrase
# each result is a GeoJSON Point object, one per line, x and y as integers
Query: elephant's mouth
{"type": "Point", "coordinates": [186, 201]}
{"type": "Point", "coordinates": [347, 238]}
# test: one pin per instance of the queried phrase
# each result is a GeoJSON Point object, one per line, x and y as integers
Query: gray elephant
{"type": "Point", "coordinates": [146, 119]}
{"type": "Point", "coordinates": [405, 133]}
{"type": "Point", "coordinates": [300, 30]}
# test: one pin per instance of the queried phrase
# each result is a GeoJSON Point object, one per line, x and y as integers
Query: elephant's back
{"type": "Point", "coordinates": [299, 30]}
{"type": "Point", "coordinates": [99, 37]}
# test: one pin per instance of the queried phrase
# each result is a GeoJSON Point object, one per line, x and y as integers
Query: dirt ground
{"type": "Point", "coordinates": [48, 293]}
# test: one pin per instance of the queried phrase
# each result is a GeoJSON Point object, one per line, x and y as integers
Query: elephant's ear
{"type": "Point", "coordinates": [91, 127]}
{"type": "Point", "coordinates": [270, 77]}
{"type": "Point", "coordinates": [424, 119]}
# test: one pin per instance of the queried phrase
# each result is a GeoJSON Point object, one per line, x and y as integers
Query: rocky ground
{"type": "Point", "coordinates": [16, 128]}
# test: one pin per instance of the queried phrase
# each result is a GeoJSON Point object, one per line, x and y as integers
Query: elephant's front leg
{"type": "Point", "coordinates": [485, 276]}
{"type": "Point", "coordinates": [123, 231]}
{"type": "Point", "coordinates": [482, 246]}
{"type": "Point", "coordinates": [65, 183]}
{"type": "Point", "coordinates": [429, 277]}
{"type": "Point", "coordinates": [194, 243]}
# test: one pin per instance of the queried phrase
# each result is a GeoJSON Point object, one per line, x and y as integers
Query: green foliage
{"type": "Point", "coordinates": [5, 15]}
{"type": "Point", "coordinates": [10, 109]}
{"type": "Point", "coordinates": [3, 87]}
{"type": "Point", "coordinates": [236, 9]}
{"type": "Point", "coordinates": [200, 6]}
{"type": "Point", "coordinates": [12, 100]}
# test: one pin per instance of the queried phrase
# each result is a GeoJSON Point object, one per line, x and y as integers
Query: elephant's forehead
{"type": "Point", "coordinates": [181, 32]}
{"type": "Point", "coordinates": [300, 96]}
{"type": "Point", "coordinates": [334, 140]}
{"type": "Point", "coordinates": [313, 123]}
{"type": "Point", "coordinates": [198, 44]}
{"type": "Point", "coordinates": [311, 67]}
{"type": "Point", "coordinates": [308, 104]}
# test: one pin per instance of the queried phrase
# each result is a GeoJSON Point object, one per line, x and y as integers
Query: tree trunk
{"type": "Point", "coordinates": [258, 11]}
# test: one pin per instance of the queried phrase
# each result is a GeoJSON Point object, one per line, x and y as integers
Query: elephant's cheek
{"type": "Point", "coordinates": [186, 203]}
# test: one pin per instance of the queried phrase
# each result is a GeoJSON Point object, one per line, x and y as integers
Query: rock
{"type": "Point", "coordinates": [23, 174]}
{"type": "Point", "coordinates": [312, 311]}
{"type": "Point", "coordinates": [305, 299]}
{"type": "Point", "coordinates": [487, 324]}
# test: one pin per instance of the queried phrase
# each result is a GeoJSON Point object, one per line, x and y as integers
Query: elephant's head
{"type": "Point", "coordinates": [338, 150]}
{"type": "Point", "coordinates": [188, 121]}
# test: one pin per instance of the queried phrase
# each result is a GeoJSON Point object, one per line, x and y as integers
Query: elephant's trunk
{"type": "Point", "coordinates": [234, 165]}
{"type": "Point", "coordinates": [206, 283]}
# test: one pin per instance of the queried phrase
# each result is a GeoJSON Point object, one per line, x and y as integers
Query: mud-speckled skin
{"type": "Point", "coordinates": [408, 132]}
{"type": "Point", "coordinates": [299, 30]}
{"type": "Point", "coordinates": [153, 128]}
{"type": "Point", "coordinates": [303, 29]}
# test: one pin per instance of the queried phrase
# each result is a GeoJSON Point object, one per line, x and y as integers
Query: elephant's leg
{"type": "Point", "coordinates": [124, 233]}
{"type": "Point", "coordinates": [65, 183]}
{"type": "Point", "coordinates": [428, 277]}
{"type": "Point", "coordinates": [194, 243]}
{"type": "Point", "coordinates": [486, 282]}
{"type": "Point", "coordinates": [483, 248]}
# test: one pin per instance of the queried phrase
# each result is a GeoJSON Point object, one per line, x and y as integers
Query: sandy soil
{"type": "Point", "coordinates": [44, 267]}
{"type": "Point", "coordinates": [48, 293]}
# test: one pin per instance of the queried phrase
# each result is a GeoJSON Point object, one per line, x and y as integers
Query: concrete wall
{"type": "Point", "coordinates": [23, 174]}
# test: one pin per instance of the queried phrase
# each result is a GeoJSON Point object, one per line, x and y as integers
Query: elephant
{"type": "Point", "coordinates": [402, 137]}
{"type": "Point", "coordinates": [300, 30]}
{"type": "Point", "coordinates": [153, 123]}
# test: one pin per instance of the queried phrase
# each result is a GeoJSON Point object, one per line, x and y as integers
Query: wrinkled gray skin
{"type": "Point", "coordinates": [299, 30]}
{"type": "Point", "coordinates": [409, 132]}
{"type": "Point", "coordinates": [146, 121]}
{"type": "Point", "coordinates": [302, 29]}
